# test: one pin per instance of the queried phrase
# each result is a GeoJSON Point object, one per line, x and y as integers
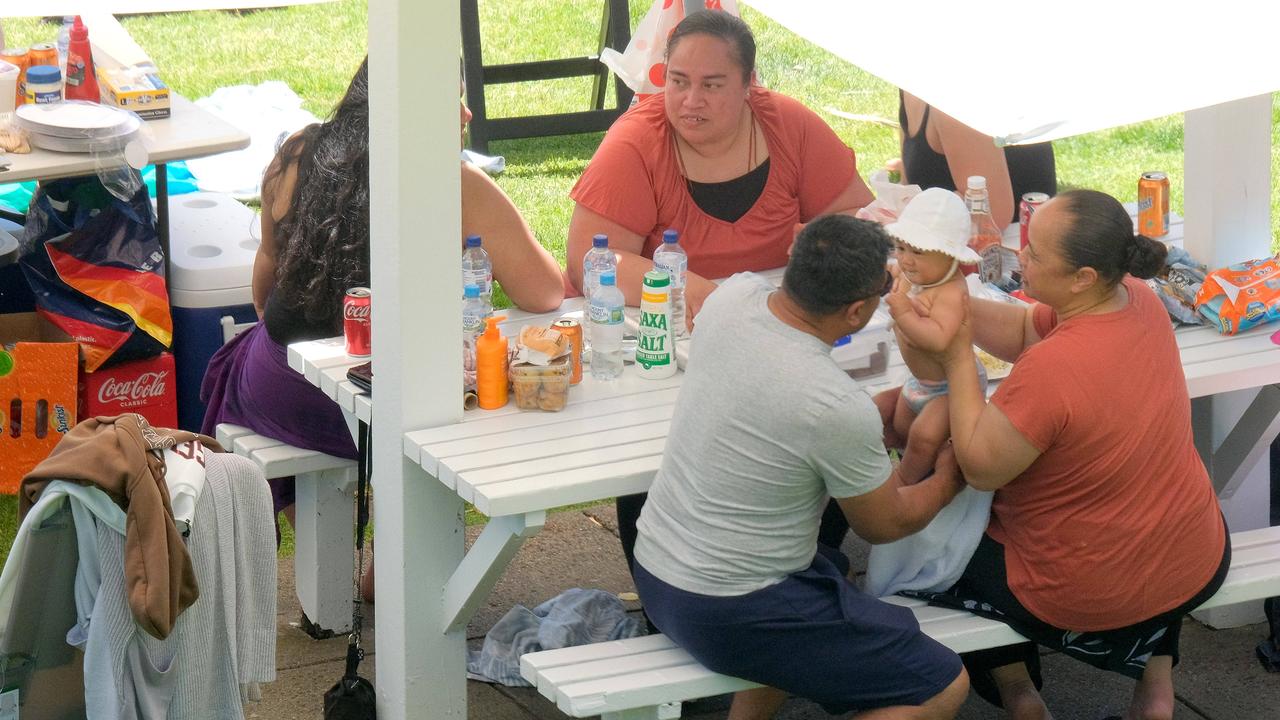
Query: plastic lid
{"type": "Point", "coordinates": [473, 241]}
{"type": "Point", "coordinates": [608, 278]}
{"type": "Point", "coordinates": [471, 290]}
{"type": "Point", "coordinates": [43, 74]}
{"type": "Point", "coordinates": [977, 182]}
{"type": "Point", "coordinates": [656, 278]}
{"type": "Point", "coordinates": [670, 236]}
{"type": "Point", "coordinates": [600, 241]}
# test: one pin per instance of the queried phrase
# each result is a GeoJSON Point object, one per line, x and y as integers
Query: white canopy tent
{"type": "Point", "coordinates": [1089, 66]}
{"type": "Point", "coordinates": [1024, 72]}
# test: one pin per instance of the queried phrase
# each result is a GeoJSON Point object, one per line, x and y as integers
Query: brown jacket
{"type": "Point", "coordinates": [115, 455]}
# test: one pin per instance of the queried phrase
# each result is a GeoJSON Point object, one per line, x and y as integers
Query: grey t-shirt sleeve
{"type": "Point", "coordinates": [848, 447]}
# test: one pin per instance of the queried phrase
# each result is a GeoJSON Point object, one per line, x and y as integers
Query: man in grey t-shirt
{"type": "Point", "coordinates": [766, 428]}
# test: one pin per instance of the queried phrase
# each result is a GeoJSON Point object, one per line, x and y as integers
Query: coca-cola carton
{"type": "Point", "coordinates": [146, 387]}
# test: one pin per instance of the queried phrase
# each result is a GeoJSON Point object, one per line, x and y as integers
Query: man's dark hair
{"type": "Point", "coordinates": [722, 25]}
{"type": "Point", "coordinates": [836, 260]}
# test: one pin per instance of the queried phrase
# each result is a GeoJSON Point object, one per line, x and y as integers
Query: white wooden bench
{"type": "Point", "coordinates": [647, 678]}
{"type": "Point", "coordinates": [324, 543]}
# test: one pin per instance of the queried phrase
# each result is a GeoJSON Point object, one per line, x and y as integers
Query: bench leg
{"type": "Point", "coordinates": [665, 711]}
{"type": "Point", "coordinates": [480, 569]}
{"type": "Point", "coordinates": [324, 557]}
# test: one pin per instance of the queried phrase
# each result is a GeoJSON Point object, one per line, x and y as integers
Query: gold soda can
{"type": "Point", "coordinates": [1153, 204]}
{"type": "Point", "coordinates": [572, 329]}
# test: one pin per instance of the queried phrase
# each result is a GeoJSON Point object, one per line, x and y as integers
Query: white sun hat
{"type": "Point", "coordinates": [936, 220]}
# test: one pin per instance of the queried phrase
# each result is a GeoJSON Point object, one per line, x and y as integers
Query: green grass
{"type": "Point", "coordinates": [315, 48]}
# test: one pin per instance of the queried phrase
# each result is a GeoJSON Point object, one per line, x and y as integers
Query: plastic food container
{"type": "Point", "coordinates": [542, 387]}
{"type": "Point", "coordinates": [866, 353]}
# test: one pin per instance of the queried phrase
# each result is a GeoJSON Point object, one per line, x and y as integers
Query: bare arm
{"type": "Point", "coordinates": [931, 331]}
{"type": "Point", "coordinates": [970, 152]}
{"type": "Point", "coordinates": [277, 193]}
{"type": "Point", "coordinates": [1003, 329]}
{"type": "Point", "coordinates": [854, 197]}
{"type": "Point", "coordinates": [528, 273]}
{"type": "Point", "coordinates": [988, 447]}
{"type": "Point", "coordinates": [895, 510]}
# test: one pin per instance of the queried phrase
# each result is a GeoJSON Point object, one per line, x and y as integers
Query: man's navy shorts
{"type": "Point", "coordinates": [814, 635]}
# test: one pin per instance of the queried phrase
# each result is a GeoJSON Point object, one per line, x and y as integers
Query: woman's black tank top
{"type": "Point", "coordinates": [1031, 167]}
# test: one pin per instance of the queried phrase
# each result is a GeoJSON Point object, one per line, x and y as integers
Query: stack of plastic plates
{"type": "Point", "coordinates": [76, 126]}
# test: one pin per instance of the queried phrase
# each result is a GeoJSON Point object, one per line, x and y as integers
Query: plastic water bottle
{"type": "Point", "coordinates": [598, 260]}
{"type": "Point", "coordinates": [474, 312]}
{"type": "Point", "coordinates": [672, 258]}
{"type": "Point", "coordinates": [476, 268]}
{"type": "Point", "coordinates": [64, 41]}
{"type": "Point", "coordinates": [605, 317]}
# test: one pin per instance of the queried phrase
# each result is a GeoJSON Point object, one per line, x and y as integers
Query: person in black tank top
{"type": "Point", "coordinates": [1030, 168]}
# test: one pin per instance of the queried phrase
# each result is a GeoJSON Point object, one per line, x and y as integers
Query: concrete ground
{"type": "Point", "coordinates": [1218, 679]}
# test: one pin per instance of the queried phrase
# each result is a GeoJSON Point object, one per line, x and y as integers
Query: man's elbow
{"type": "Point", "coordinates": [981, 479]}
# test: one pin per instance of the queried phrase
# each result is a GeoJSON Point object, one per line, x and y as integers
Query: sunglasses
{"type": "Point", "coordinates": [888, 283]}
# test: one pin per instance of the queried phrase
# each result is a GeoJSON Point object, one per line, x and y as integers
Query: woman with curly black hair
{"type": "Point", "coordinates": [315, 245]}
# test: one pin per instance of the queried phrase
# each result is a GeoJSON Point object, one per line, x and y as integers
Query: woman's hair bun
{"type": "Point", "coordinates": [1145, 257]}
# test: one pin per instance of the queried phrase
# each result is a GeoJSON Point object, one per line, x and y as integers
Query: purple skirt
{"type": "Point", "coordinates": [249, 382]}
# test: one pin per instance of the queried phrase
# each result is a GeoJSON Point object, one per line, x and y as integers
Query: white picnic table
{"type": "Point", "coordinates": [515, 465]}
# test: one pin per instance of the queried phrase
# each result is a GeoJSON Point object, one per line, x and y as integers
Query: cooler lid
{"type": "Point", "coordinates": [213, 239]}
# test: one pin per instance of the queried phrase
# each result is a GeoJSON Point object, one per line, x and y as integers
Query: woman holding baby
{"type": "Point", "coordinates": [1104, 530]}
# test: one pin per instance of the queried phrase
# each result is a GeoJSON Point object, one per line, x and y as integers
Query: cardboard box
{"type": "Point", "coordinates": [127, 78]}
{"type": "Point", "coordinates": [137, 88]}
{"type": "Point", "coordinates": [147, 387]}
{"type": "Point", "coordinates": [37, 395]}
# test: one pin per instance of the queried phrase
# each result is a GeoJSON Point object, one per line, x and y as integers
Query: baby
{"type": "Point", "coordinates": [927, 304]}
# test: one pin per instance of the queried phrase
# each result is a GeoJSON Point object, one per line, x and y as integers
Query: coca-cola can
{"type": "Point", "coordinates": [1027, 208]}
{"type": "Point", "coordinates": [356, 327]}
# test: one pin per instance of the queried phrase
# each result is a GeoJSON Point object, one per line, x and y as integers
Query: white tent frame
{"type": "Point", "coordinates": [415, 223]}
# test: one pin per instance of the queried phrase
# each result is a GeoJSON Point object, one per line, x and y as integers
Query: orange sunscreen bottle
{"type": "Point", "coordinates": [491, 365]}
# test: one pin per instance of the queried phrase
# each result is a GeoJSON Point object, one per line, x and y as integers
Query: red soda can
{"type": "Point", "coordinates": [356, 327]}
{"type": "Point", "coordinates": [1027, 208]}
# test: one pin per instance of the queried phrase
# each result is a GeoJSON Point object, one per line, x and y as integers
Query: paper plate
{"type": "Point", "coordinates": [77, 120]}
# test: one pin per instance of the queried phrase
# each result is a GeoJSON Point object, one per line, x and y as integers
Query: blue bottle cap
{"type": "Point", "coordinates": [608, 278]}
{"type": "Point", "coordinates": [600, 241]}
{"type": "Point", "coordinates": [471, 290]}
{"type": "Point", "coordinates": [473, 241]}
{"type": "Point", "coordinates": [670, 236]}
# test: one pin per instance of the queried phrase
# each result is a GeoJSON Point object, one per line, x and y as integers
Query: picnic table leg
{"type": "Point", "coordinates": [480, 569]}
{"type": "Point", "coordinates": [665, 711]}
{"type": "Point", "coordinates": [325, 550]}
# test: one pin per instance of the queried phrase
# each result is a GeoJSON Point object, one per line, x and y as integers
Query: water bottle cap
{"type": "Point", "coordinates": [471, 290]}
{"type": "Point", "coordinates": [600, 241]}
{"type": "Point", "coordinates": [473, 241]}
{"type": "Point", "coordinates": [670, 236]}
{"type": "Point", "coordinates": [608, 278]}
{"type": "Point", "coordinates": [977, 182]}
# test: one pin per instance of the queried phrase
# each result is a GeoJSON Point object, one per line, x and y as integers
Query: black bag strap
{"type": "Point", "coordinates": [364, 471]}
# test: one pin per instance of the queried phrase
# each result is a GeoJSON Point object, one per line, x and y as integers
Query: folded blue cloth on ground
{"type": "Point", "coordinates": [574, 617]}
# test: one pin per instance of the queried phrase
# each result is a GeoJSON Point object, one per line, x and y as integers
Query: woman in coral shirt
{"type": "Point", "coordinates": [732, 166]}
{"type": "Point", "coordinates": [1105, 530]}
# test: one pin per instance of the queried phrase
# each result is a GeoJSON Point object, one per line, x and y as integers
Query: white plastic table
{"type": "Point", "coordinates": [514, 465]}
